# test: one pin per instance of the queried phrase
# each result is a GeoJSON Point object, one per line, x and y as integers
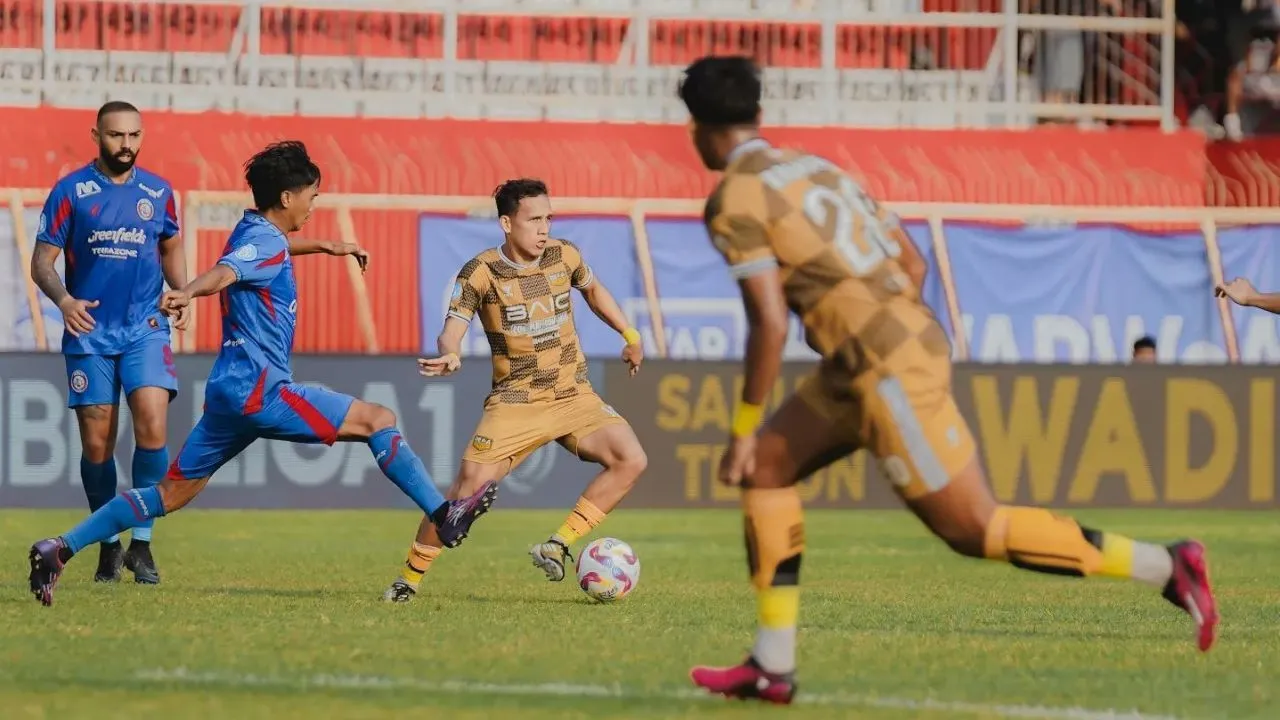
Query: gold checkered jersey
{"type": "Point", "coordinates": [527, 315]}
{"type": "Point", "coordinates": [834, 248]}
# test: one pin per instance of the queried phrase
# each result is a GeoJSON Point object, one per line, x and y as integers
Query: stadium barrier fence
{"type": "Point", "coordinates": [207, 215]}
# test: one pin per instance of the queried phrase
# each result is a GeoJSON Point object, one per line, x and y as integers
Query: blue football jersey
{"type": "Point", "coordinates": [259, 314]}
{"type": "Point", "coordinates": [110, 235]}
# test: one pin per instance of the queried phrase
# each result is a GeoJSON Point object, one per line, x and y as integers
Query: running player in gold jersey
{"type": "Point", "coordinates": [541, 394]}
{"type": "Point", "coordinates": [798, 233]}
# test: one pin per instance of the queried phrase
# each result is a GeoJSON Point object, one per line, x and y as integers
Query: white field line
{"type": "Point", "coordinates": [184, 676]}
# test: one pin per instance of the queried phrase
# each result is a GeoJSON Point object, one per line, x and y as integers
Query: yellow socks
{"type": "Point", "coordinates": [418, 563]}
{"type": "Point", "coordinates": [774, 534]}
{"type": "Point", "coordinates": [584, 518]}
{"type": "Point", "coordinates": [1036, 539]}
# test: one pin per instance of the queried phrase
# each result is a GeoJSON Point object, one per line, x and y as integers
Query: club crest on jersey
{"type": "Point", "coordinates": [481, 443]}
{"type": "Point", "coordinates": [457, 290]}
{"type": "Point", "coordinates": [558, 278]}
{"type": "Point", "coordinates": [721, 242]}
{"type": "Point", "coordinates": [146, 210]}
{"type": "Point", "coordinates": [247, 252]}
{"type": "Point", "coordinates": [79, 381]}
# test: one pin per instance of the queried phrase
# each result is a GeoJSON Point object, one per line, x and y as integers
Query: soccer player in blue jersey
{"type": "Point", "coordinates": [251, 393]}
{"type": "Point", "coordinates": [117, 226]}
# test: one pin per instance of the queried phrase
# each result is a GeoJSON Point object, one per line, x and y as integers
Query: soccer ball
{"type": "Point", "coordinates": [608, 569]}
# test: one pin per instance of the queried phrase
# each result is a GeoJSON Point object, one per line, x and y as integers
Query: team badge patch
{"type": "Point", "coordinates": [608, 410]}
{"type": "Point", "coordinates": [481, 443]}
{"type": "Point", "coordinates": [146, 210]}
{"type": "Point", "coordinates": [247, 253]}
{"type": "Point", "coordinates": [44, 224]}
{"type": "Point", "coordinates": [79, 381]}
{"type": "Point", "coordinates": [457, 290]}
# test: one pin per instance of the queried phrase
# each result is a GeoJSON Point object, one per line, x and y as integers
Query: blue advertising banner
{"type": "Point", "coordinates": [1068, 294]}
{"type": "Point", "coordinates": [1254, 253]}
{"type": "Point", "coordinates": [1083, 294]}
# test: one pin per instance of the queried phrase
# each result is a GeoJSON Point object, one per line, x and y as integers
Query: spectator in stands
{"type": "Point", "coordinates": [1060, 54]}
{"type": "Point", "coordinates": [1144, 351]}
{"type": "Point", "coordinates": [1244, 21]}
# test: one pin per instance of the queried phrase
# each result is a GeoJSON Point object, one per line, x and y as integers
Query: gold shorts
{"type": "Point", "coordinates": [513, 432]}
{"type": "Point", "coordinates": [905, 417]}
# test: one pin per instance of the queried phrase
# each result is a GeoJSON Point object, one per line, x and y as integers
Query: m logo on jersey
{"type": "Point", "coordinates": [146, 210]}
{"type": "Point", "coordinates": [156, 194]}
{"type": "Point", "coordinates": [87, 188]}
{"type": "Point", "coordinates": [79, 381]}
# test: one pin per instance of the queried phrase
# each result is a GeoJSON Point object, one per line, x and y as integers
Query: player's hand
{"type": "Point", "coordinates": [182, 318]}
{"type": "Point", "coordinates": [1240, 291]}
{"type": "Point", "coordinates": [738, 461]}
{"type": "Point", "coordinates": [173, 301]}
{"type": "Point", "coordinates": [446, 364]}
{"type": "Point", "coordinates": [76, 317]}
{"type": "Point", "coordinates": [633, 356]}
{"type": "Point", "coordinates": [360, 254]}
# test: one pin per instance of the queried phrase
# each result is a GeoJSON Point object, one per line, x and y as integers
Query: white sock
{"type": "Point", "coordinates": [1152, 564]}
{"type": "Point", "coordinates": [775, 650]}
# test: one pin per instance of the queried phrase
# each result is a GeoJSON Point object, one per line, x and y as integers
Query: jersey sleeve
{"type": "Point", "coordinates": [171, 226]}
{"type": "Point", "coordinates": [468, 290]}
{"type": "Point", "coordinates": [580, 273]}
{"type": "Point", "coordinates": [257, 259]}
{"type": "Point", "coordinates": [57, 217]}
{"type": "Point", "coordinates": [739, 229]}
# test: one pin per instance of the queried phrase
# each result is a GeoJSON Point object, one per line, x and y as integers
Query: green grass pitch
{"type": "Point", "coordinates": [278, 615]}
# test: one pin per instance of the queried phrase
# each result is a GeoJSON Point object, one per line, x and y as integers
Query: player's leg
{"type": "Point", "coordinates": [806, 434]}
{"type": "Point", "coordinates": [150, 383]}
{"type": "Point", "coordinates": [925, 448]}
{"type": "Point", "coordinates": [305, 414]}
{"type": "Point", "coordinates": [504, 438]}
{"type": "Point", "coordinates": [214, 441]}
{"type": "Point", "coordinates": [94, 393]}
{"type": "Point", "coordinates": [596, 434]}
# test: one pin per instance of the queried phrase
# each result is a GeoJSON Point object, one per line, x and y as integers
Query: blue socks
{"type": "Point", "coordinates": [405, 469]}
{"type": "Point", "coordinates": [99, 480]}
{"type": "Point", "coordinates": [128, 510]}
{"type": "Point", "coordinates": [149, 468]}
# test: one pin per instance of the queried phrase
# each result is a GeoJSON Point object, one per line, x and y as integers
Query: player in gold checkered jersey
{"type": "Point", "coordinates": [521, 292]}
{"type": "Point", "coordinates": [798, 233]}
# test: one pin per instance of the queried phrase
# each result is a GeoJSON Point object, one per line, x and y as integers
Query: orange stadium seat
{"type": "Point", "coordinates": [308, 31]}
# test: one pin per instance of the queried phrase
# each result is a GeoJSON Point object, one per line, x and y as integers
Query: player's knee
{"type": "Point", "coordinates": [382, 418]}
{"type": "Point", "coordinates": [629, 462]}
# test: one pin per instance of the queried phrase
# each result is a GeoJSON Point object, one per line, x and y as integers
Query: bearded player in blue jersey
{"type": "Point", "coordinates": [251, 393]}
{"type": "Point", "coordinates": [117, 226]}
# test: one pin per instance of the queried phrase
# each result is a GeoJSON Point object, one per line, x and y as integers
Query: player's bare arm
{"type": "Point", "coordinates": [450, 346]}
{"type": "Point", "coordinates": [766, 311]}
{"type": "Point", "coordinates": [315, 247]}
{"type": "Point", "coordinates": [75, 313]}
{"type": "Point", "coordinates": [173, 263]}
{"type": "Point", "coordinates": [1242, 292]}
{"type": "Point", "coordinates": [213, 280]}
{"type": "Point", "coordinates": [603, 304]}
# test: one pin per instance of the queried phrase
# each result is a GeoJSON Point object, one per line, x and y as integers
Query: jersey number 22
{"type": "Point", "coordinates": [859, 233]}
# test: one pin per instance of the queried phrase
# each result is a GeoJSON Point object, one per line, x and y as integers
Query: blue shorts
{"type": "Point", "coordinates": [293, 412]}
{"type": "Point", "coordinates": [98, 379]}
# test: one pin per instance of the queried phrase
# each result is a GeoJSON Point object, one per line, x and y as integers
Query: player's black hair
{"type": "Point", "coordinates": [722, 90]}
{"type": "Point", "coordinates": [114, 106]}
{"type": "Point", "coordinates": [277, 168]}
{"type": "Point", "coordinates": [1146, 342]}
{"type": "Point", "coordinates": [508, 195]}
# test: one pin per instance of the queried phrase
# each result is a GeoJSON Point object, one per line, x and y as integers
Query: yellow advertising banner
{"type": "Point", "coordinates": [1054, 435]}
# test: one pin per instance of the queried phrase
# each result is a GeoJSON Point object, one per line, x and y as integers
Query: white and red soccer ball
{"type": "Point", "coordinates": [608, 569]}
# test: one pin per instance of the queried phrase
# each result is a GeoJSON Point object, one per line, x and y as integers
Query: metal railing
{"type": "Point", "coordinates": [934, 63]}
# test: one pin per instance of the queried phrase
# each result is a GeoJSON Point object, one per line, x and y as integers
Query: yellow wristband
{"type": "Point", "coordinates": [631, 335]}
{"type": "Point", "coordinates": [746, 418]}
